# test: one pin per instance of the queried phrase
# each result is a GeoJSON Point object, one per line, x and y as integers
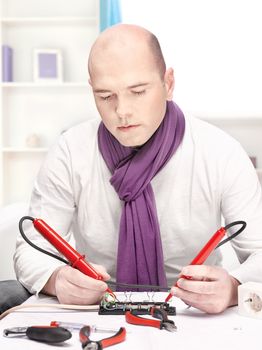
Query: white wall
{"type": "Point", "coordinates": [214, 47]}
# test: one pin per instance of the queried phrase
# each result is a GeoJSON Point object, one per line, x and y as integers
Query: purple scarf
{"type": "Point", "coordinates": [140, 255]}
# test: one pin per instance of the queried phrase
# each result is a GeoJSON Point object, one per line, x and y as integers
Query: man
{"type": "Point", "coordinates": [143, 191]}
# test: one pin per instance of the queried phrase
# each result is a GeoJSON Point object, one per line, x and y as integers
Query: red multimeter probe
{"type": "Point", "coordinates": [76, 260]}
{"type": "Point", "coordinates": [212, 244]}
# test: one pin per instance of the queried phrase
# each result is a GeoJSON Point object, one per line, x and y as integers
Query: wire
{"type": "Point", "coordinates": [119, 284]}
{"type": "Point", "coordinates": [56, 306]}
{"type": "Point", "coordinates": [227, 227]}
{"type": "Point", "coordinates": [35, 246]}
{"type": "Point", "coordinates": [139, 286]}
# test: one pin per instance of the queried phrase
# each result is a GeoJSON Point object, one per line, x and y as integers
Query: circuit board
{"type": "Point", "coordinates": [142, 308]}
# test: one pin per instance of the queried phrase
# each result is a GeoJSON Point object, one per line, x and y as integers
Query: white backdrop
{"type": "Point", "coordinates": [215, 48]}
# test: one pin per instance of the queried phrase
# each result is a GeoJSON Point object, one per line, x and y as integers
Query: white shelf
{"type": "Point", "coordinates": [44, 109]}
{"type": "Point", "coordinates": [24, 150]}
{"type": "Point", "coordinates": [48, 20]}
{"type": "Point", "coordinates": [232, 118]}
{"type": "Point", "coordinates": [40, 85]}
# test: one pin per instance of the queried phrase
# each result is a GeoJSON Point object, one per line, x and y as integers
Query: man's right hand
{"type": "Point", "coordinates": [71, 286]}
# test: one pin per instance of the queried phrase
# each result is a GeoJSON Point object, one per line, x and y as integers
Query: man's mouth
{"type": "Point", "coordinates": [127, 127]}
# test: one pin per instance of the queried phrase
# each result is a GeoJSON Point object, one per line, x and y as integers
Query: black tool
{"type": "Point", "coordinates": [45, 334]}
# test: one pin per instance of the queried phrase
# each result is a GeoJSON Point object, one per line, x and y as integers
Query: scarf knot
{"type": "Point", "coordinates": [126, 197]}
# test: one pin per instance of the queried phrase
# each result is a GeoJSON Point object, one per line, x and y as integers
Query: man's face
{"type": "Point", "coordinates": [130, 95]}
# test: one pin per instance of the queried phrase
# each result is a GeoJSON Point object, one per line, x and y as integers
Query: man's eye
{"type": "Point", "coordinates": [141, 92]}
{"type": "Point", "coordinates": [105, 98]}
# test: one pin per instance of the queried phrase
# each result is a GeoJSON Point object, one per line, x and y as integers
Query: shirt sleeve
{"type": "Point", "coordinates": [242, 200]}
{"type": "Point", "coordinates": [52, 200]}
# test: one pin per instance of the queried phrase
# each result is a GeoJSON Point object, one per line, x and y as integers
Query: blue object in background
{"type": "Point", "coordinates": [7, 63]}
{"type": "Point", "coordinates": [110, 13]}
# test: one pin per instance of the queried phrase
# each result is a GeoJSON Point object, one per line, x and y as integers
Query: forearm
{"type": "Point", "coordinates": [33, 269]}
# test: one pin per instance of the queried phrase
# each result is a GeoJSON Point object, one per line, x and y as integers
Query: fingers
{"type": "Point", "coordinates": [196, 286]}
{"type": "Point", "coordinates": [72, 294]}
{"type": "Point", "coordinates": [207, 288]}
{"type": "Point", "coordinates": [202, 272]}
{"type": "Point", "coordinates": [193, 299]}
{"type": "Point", "coordinates": [73, 287]}
{"type": "Point", "coordinates": [76, 277]}
{"type": "Point", "coordinates": [102, 271]}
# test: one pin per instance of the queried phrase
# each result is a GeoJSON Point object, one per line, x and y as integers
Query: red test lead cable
{"type": "Point", "coordinates": [74, 258]}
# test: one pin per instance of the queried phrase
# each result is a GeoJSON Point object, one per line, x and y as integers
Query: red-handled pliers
{"type": "Point", "coordinates": [162, 321]}
{"type": "Point", "coordinates": [88, 344]}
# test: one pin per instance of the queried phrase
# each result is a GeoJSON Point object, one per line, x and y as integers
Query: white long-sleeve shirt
{"type": "Point", "coordinates": [209, 175]}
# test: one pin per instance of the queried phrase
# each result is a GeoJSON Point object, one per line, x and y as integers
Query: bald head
{"type": "Point", "coordinates": [128, 38]}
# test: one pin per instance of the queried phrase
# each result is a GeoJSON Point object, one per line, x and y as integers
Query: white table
{"type": "Point", "coordinates": [195, 330]}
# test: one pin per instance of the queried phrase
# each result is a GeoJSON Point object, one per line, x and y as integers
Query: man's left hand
{"type": "Point", "coordinates": [208, 288]}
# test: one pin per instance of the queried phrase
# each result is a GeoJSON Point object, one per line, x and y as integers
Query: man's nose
{"type": "Point", "coordinates": [122, 107]}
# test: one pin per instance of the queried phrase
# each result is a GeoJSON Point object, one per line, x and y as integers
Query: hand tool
{"type": "Point", "coordinates": [162, 321]}
{"type": "Point", "coordinates": [88, 344]}
{"type": "Point", "coordinates": [46, 334]}
{"type": "Point", "coordinates": [212, 244]}
{"type": "Point", "coordinates": [76, 260]}
{"type": "Point", "coordinates": [73, 325]}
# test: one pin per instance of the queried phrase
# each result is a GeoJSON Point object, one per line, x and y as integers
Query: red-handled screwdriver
{"type": "Point", "coordinates": [46, 334]}
{"type": "Point", "coordinates": [78, 326]}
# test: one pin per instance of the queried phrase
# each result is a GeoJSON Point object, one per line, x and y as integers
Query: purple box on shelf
{"type": "Point", "coordinates": [47, 65]}
{"type": "Point", "coordinates": [7, 63]}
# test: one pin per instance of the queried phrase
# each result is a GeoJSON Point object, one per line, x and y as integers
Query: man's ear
{"type": "Point", "coordinates": [90, 83]}
{"type": "Point", "coordinates": [169, 81]}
